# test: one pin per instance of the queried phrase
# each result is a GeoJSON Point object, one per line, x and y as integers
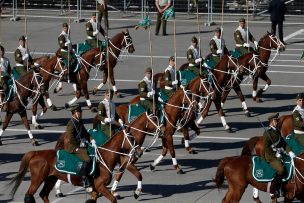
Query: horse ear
{"type": "Point", "coordinates": [268, 32]}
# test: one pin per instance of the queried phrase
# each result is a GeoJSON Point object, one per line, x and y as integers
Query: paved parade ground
{"type": "Point", "coordinates": [213, 144]}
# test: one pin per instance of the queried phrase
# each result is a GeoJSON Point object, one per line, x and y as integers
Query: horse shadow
{"type": "Point", "coordinates": [9, 158]}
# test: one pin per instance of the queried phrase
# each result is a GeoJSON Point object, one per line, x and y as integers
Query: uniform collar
{"type": "Point", "coordinates": [146, 79]}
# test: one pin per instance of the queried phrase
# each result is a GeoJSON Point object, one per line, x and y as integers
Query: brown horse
{"type": "Point", "coordinates": [54, 64]}
{"type": "Point", "coordinates": [29, 85]}
{"type": "Point", "coordinates": [41, 164]}
{"type": "Point", "coordinates": [178, 112]}
{"type": "Point", "coordinates": [119, 42]}
{"type": "Point", "coordinates": [238, 172]}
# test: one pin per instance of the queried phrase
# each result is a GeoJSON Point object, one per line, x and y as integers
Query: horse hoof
{"type": "Point", "coordinates": [39, 127]}
{"type": "Point", "coordinates": [34, 142]}
{"type": "Point", "coordinates": [229, 130]}
{"type": "Point", "coordinates": [94, 91]}
{"type": "Point", "coordinates": [180, 172]}
{"type": "Point", "coordinates": [257, 200]}
{"type": "Point", "coordinates": [152, 168]}
{"type": "Point", "coordinates": [247, 113]}
{"type": "Point", "coordinates": [53, 108]}
{"type": "Point", "coordinates": [90, 201]}
{"type": "Point", "coordinates": [1, 143]}
{"type": "Point", "coordinates": [118, 95]}
{"type": "Point", "coordinates": [136, 196]}
{"type": "Point", "coordinates": [192, 151]}
{"type": "Point", "coordinates": [182, 141]}
{"type": "Point", "coordinates": [93, 109]}
{"type": "Point", "coordinates": [56, 91]}
{"type": "Point", "coordinates": [66, 105]}
{"type": "Point", "coordinates": [59, 195]}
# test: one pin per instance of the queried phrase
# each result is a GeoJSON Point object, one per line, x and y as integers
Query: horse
{"type": "Point", "coordinates": [149, 125]}
{"type": "Point", "coordinates": [29, 85]}
{"type": "Point", "coordinates": [116, 44]}
{"type": "Point", "coordinates": [41, 165]}
{"type": "Point", "coordinates": [255, 66]}
{"type": "Point", "coordinates": [93, 56]}
{"type": "Point", "coordinates": [238, 172]}
{"type": "Point", "coordinates": [179, 110]}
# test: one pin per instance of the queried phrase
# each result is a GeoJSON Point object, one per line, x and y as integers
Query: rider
{"type": "Point", "coordinates": [92, 31]}
{"type": "Point", "coordinates": [273, 147]}
{"type": "Point", "coordinates": [194, 57]}
{"type": "Point", "coordinates": [66, 52]}
{"type": "Point", "coordinates": [5, 72]}
{"type": "Point", "coordinates": [217, 46]}
{"type": "Point", "coordinates": [76, 134]}
{"type": "Point", "coordinates": [242, 36]}
{"type": "Point", "coordinates": [107, 113]}
{"type": "Point", "coordinates": [298, 119]}
{"type": "Point", "coordinates": [146, 91]}
{"type": "Point", "coordinates": [23, 58]}
{"type": "Point", "coordinates": [170, 77]}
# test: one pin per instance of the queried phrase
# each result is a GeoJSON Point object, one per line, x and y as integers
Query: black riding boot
{"type": "Point", "coordinates": [84, 172]}
{"type": "Point", "coordinates": [277, 184]}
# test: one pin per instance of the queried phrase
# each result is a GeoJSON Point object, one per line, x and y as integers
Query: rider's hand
{"type": "Point", "coordinates": [151, 93]}
{"type": "Point", "coordinates": [120, 122]}
{"type": "Point", "coordinates": [256, 44]}
{"type": "Point", "coordinates": [292, 155]}
{"type": "Point", "coordinates": [95, 33]}
{"type": "Point", "coordinates": [175, 82]}
{"type": "Point", "coordinates": [198, 60]}
{"type": "Point", "coordinates": [108, 120]}
{"type": "Point", "coordinates": [67, 43]}
{"type": "Point", "coordinates": [93, 142]}
{"type": "Point", "coordinates": [219, 51]}
{"type": "Point", "coordinates": [246, 45]}
{"type": "Point", "coordinates": [25, 56]}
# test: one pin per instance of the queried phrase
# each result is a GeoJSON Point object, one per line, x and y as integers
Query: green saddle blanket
{"type": "Point", "coordinates": [15, 74]}
{"type": "Point", "coordinates": [210, 62]}
{"type": "Point", "coordinates": [71, 164]}
{"type": "Point", "coordinates": [9, 93]}
{"type": "Point", "coordinates": [85, 46]}
{"type": "Point", "coordinates": [235, 53]}
{"type": "Point", "coordinates": [163, 95]}
{"type": "Point", "coordinates": [98, 135]}
{"type": "Point", "coordinates": [302, 56]}
{"type": "Point", "coordinates": [134, 111]}
{"type": "Point", "coordinates": [263, 172]}
{"type": "Point", "coordinates": [186, 76]}
{"type": "Point", "coordinates": [294, 145]}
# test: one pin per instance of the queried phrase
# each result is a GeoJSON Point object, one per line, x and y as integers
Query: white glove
{"type": "Point", "coordinates": [175, 82]}
{"type": "Point", "coordinates": [37, 65]}
{"type": "Point", "coordinates": [108, 120]}
{"type": "Point", "coordinates": [256, 44]}
{"type": "Point", "coordinates": [219, 51]}
{"type": "Point", "coordinates": [25, 56]}
{"type": "Point", "coordinates": [95, 33]}
{"type": "Point", "coordinates": [120, 122]}
{"type": "Point", "coordinates": [93, 142]}
{"type": "Point", "coordinates": [246, 45]}
{"type": "Point", "coordinates": [67, 43]}
{"type": "Point", "coordinates": [151, 93]}
{"type": "Point", "coordinates": [292, 155]}
{"type": "Point", "coordinates": [198, 60]}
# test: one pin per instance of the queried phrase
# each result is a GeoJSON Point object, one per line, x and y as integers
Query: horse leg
{"type": "Point", "coordinates": [228, 196]}
{"type": "Point", "coordinates": [255, 194]}
{"type": "Point", "coordinates": [221, 114]}
{"type": "Point", "coordinates": [106, 193]}
{"type": "Point", "coordinates": [160, 157]}
{"type": "Point", "coordinates": [58, 188]}
{"type": "Point", "coordinates": [224, 96]}
{"type": "Point", "coordinates": [34, 110]}
{"type": "Point", "coordinates": [239, 92]}
{"type": "Point", "coordinates": [84, 87]}
{"type": "Point", "coordinates": [23, 116]}
{"type": "Point", "coordinates": [72, 101]}
{"type": "Point", "coordinates": [118, 177]}
{"type": "Point", "coordinates": [205, 112]}
{"type": "Point", "coordinates": [170, 146]}
{"type": "Point", "coordinates": [254, 91]}
{"type": "Point", "coordinates": [268, 83]}
{"type": "Point", "coordinates": [133, 169]}
{"type": "Point", "coordinates": [58, 88]}
{"type": "Point", "coordinates": [237, 194]}
{"type": "Point", "coordinates": [185, 131]}
{"type": "Point", "coordinates": [8, 117]}
{"type": "Point", "coordinates": [116, 92]}
{"type": "Point", "coordinates": [47, 188]}
{"type": "Point", "coordinates": [104, 80]}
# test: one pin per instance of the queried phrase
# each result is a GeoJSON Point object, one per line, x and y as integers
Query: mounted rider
{"type": "Point", "coordinates": [108, 115]}
{"type": "Point", "coordinates": [146, 92]}
{"type": "Point", "coordinates": [77, 136]}
{"type": "Point", "coordinates": [274, 146]}
{"type": "Point", "coordinates": [5, 72]}
{"type": "Point", "coordinates": [242, 37]}
{"type": "Point", "coordinates": [93, 31]}
{"type": "Point", "coordinates": [217, 46]}
{"type": "Point", "coordinates": [298, 119]}
{"type": "Point", "coordinates": [170, 77]}
{"type": "Point", "coordinates": [66, 52]}
{"type": "Point", "coordinates": [194, 57]}
{"type": "Point", "coordinates": [23, 58]}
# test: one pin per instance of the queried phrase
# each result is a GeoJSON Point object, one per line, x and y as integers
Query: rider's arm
{"type": "Point", "coordinates": [297, 120]}
{"type": "Point", "coordinates": [102, 111]}
{"type": "Point", "coordinates": [213, 47]}
{"type": "Point", "coordinates": [18, 56]}
{"type": "Point", "coordinates": [251, 38]}
{"type": "Point", "coordinates": [142, 90]}
{"type": "Point", "coordinates": [70, 139]}
{"type": "Point", "coordinates": [61, 42]}
{"type": "Point", "coordinates": [267, 143]}
{"type": "Point", "coordinates": [238, 37]}
{"type": "Point", "coordinates": [9, 68]}
{"type": "Point", "coordinates": [168, 79]}
{"type": "Point", "coordinates": [89, 29]}
{"type": "Point", "coordinates": [190, 57]}
{"type": "Point", "coordinates": [168, 4]}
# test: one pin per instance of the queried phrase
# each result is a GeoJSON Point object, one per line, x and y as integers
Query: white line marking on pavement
{"type": "Point", "coordinates": [296, 66]}
{"type": "Point", "coordinates": [285, 72]}
{"type": "Point", "coordinates": [69, 193]}
{"type": "Point", "coordinates": [293, 34]}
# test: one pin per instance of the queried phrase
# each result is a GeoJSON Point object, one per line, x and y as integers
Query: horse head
{"type": "Point", "coordinates": [271, 41]}
{"type": "Point", "coordinates": [127, 42]}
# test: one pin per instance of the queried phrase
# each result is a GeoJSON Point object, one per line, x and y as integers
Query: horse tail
{"type": "Point", "coordinates": [22, 171]}
{"type": "Point", "coordinates": [249, 146]}
{"type": "Point", "coordinates": [219, 177]}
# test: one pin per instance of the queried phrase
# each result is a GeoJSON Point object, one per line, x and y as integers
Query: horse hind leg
{"type": "Point", "coordinates": [57, 188]}
{"type": "Point", "coordinates": [116, 92]}
{"type": "Point", "coordinates": [268, 83]}
{"type": "Point", "coordinates": [23, 116]}
{"type": "Point", "coordinates": [105, 78]}
{"type": "Point", "coordinates": [160, 157]}
{"type": "Point", "coordinates": [48, 186]}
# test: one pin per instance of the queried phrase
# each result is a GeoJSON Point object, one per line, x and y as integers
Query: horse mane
{"type": "Point", "coordinates": [25, 77]}
{"type": "Point", "coordinates": [263, 38]}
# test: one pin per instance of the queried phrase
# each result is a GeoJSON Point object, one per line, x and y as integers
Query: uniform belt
{"type": "Point", "coordinates": [191, 65]}
{"type": "Point", "coordinates": [19, 64]}
{"type": "Point", "coordinates": [215, 55]}
{"type": "Point", "coordinates": [298, 131]}
{"type": "Point", "coordinates": [168, 88]}
{"type": "Point", "coordinates": [239, 45]}
{"type": "Point", "coordinates": [64, 50]}
{"type": "Point", "coordinates": [142, 99]}
{"type": "Point", "coordinates": [89, 37]}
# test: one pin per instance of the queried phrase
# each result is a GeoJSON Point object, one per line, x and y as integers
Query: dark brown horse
{"type": "Point", "coordinates": [120, 41]}
{"type": "Point", "coordinates": [89, 59]}
{"type": "Point", "coordinates": [238, 172]}
{"type": "Point", "coordinates": [41, 164]}
{"type": "Point", "coordinates": [178, 112]}
{"type": "Point", "coordinates": [29, 85]}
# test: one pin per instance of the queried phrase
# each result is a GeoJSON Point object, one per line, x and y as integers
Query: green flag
{"type": "Point", "coordinates": [169, 13]}
{"type": "Point", "coordinates": [145, 23]}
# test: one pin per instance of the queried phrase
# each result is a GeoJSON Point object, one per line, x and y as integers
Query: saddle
{"type": "Point", "coordinates": [135, 110]}
{"type": "Point", "coordinates": [186, 76]}
{"type": "Point", "coordinates": [235, 54]}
